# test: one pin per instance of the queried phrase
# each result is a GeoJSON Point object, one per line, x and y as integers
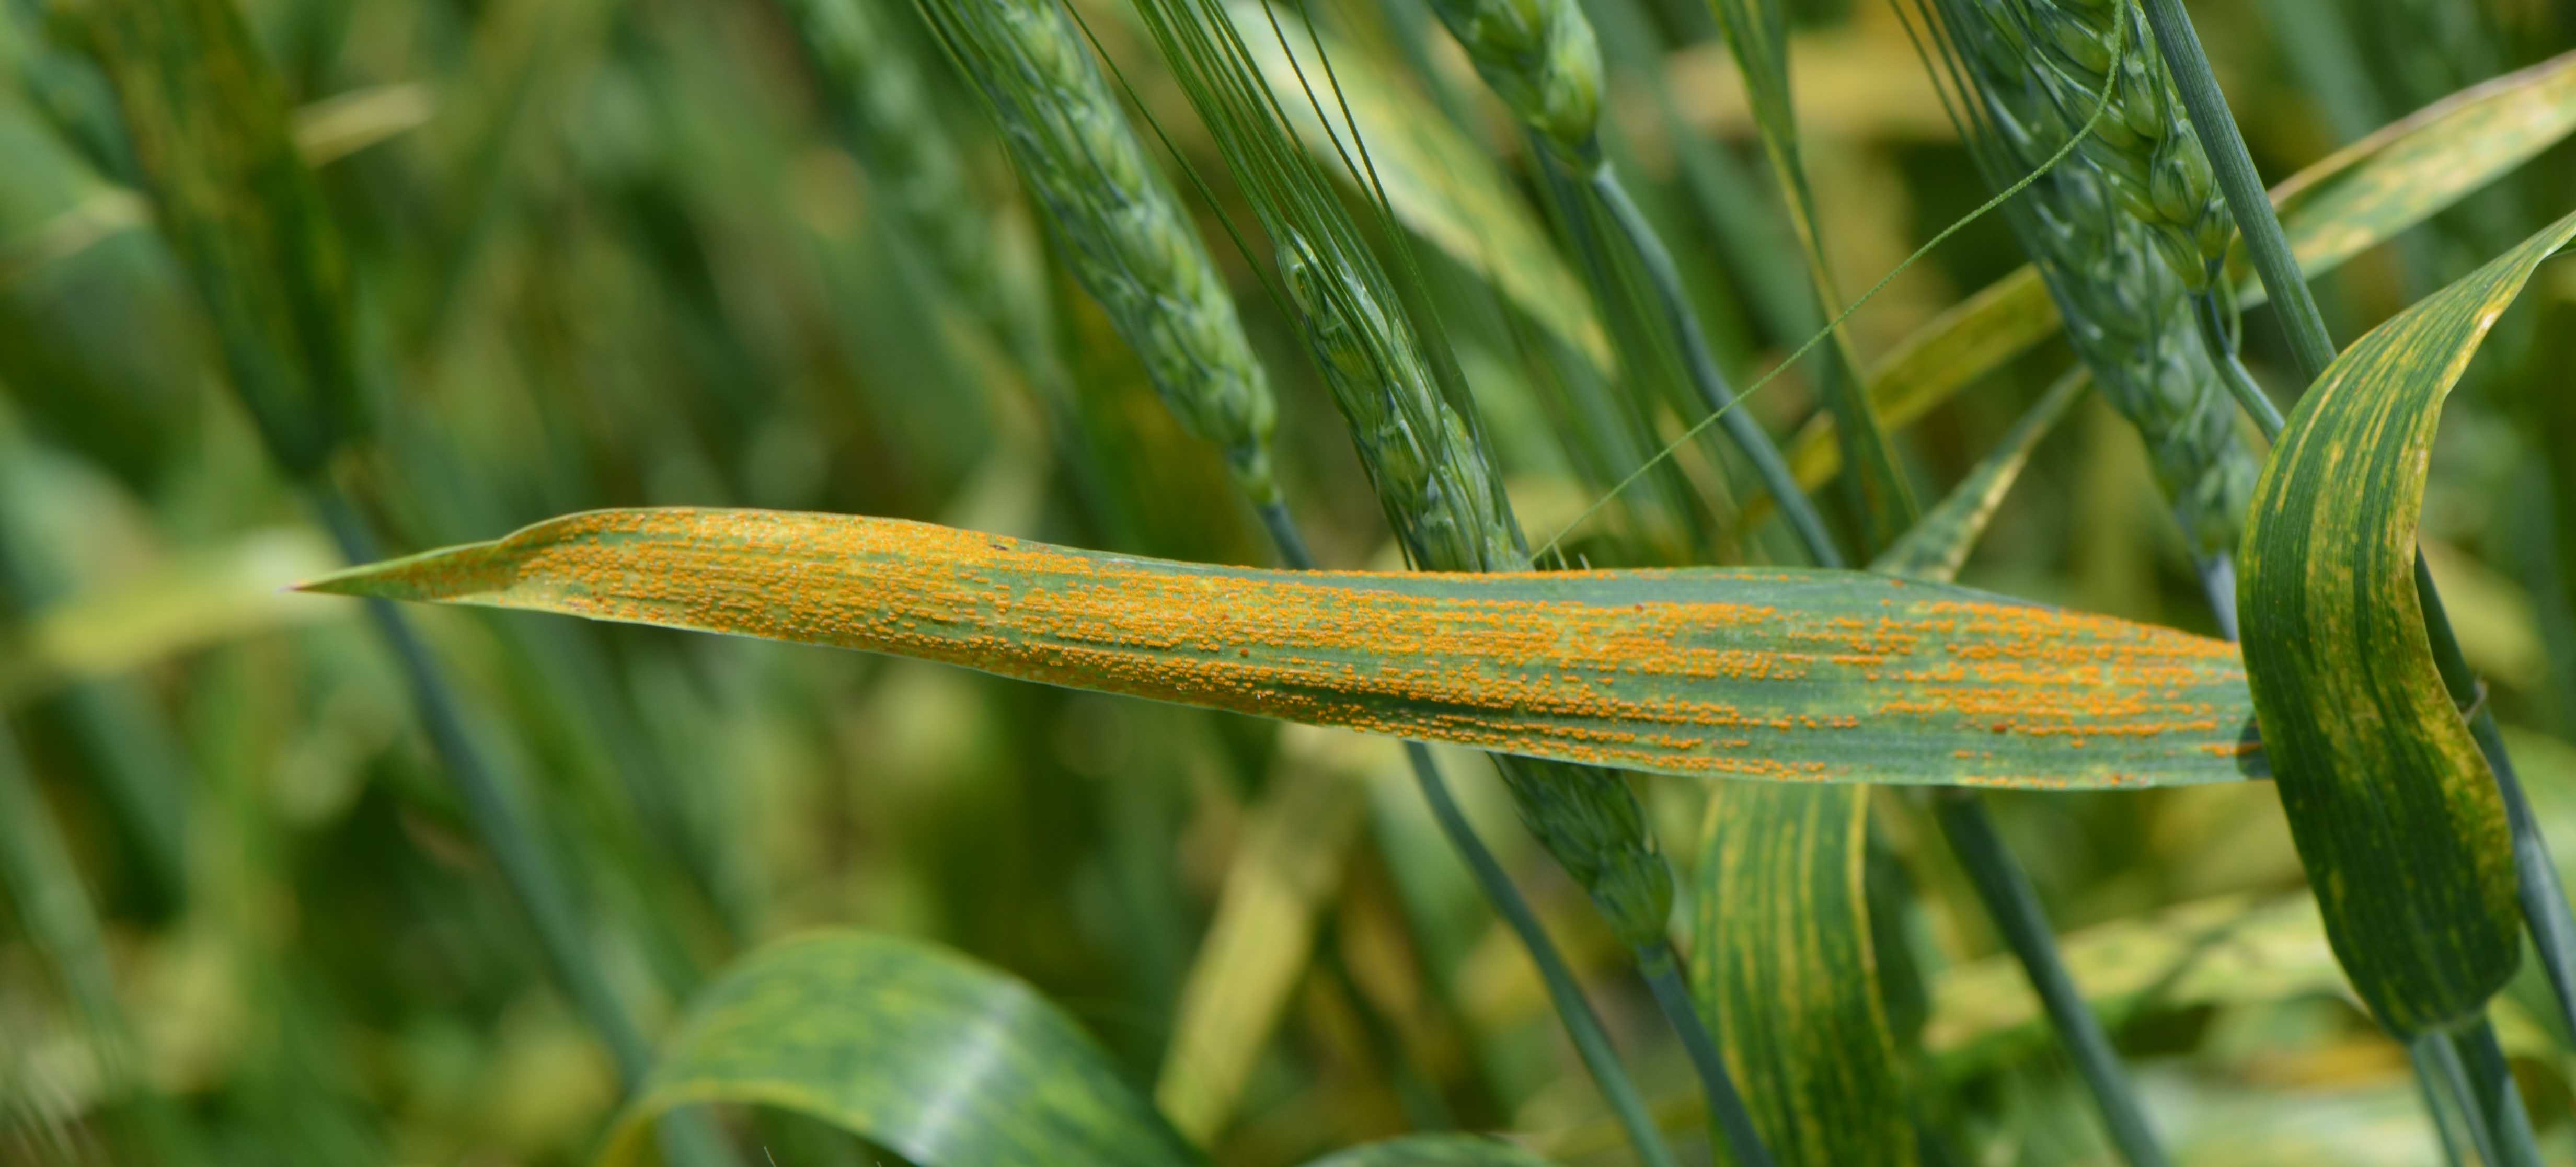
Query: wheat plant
{"type": "Point", "coordinates": [1356, 333]}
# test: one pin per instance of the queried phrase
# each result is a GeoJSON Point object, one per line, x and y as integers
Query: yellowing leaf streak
{"type": "Point", "coordinates": [1751, 673]}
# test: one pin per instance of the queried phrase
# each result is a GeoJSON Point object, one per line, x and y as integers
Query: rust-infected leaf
{"type": "Point", "coordinates": [1797, 675]}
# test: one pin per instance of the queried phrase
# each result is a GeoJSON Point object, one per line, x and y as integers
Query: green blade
{"type": "Point", "coordinates": [1937, 545]}
{"type": "Point", "coordinates": [909, 1046]}
{"type": "Point", "coordinates": [2394, 811]}
{"type": "Point", "coordinates": [1786, 964]}
{"type": "Point", "coordinates": [1800, 675]}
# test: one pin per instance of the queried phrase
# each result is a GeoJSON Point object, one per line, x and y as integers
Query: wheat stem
{"type": "Point", "coordinates": [2494, 1102]}
{"type": "Point", "coordinates": [2444, 1084]}
{"type": "Point", "coordinates": [2014, 904]}
{"type": "Point", "coordinates": [1662, 969]}
{"type": "Point", "coordinates": [1582, 1025]}
{"type": "Point", "coordinates": [2546, 913]}
{"type": "Point", "coordinates": [1706, 380]}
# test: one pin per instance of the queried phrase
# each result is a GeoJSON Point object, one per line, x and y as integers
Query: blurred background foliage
{"type": "Point", "coordinates": [612, 254]}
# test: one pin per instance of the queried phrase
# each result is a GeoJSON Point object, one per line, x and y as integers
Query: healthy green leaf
{"type": "Point", "coordinates": [1785, 964]}
{"type": "Point", "coordinates": [2346, 203]}
{"type": "Point", "coordinates": [908, 1046]}
{"type": "Point", "coordinates": [1788, 674]}
{"type": "Point", "coordinates": [2395, 813]}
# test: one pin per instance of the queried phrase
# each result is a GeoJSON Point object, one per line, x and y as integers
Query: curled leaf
{"type": "Point", "coordinates": [2394, 810]}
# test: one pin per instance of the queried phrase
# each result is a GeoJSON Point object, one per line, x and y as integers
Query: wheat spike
{"type": "Point", "coordinates": [2117, 232]}
{"type": "Point", "coordinates": [1125, 236]}
{"type": "Point", "coordinates": [1540, 58]}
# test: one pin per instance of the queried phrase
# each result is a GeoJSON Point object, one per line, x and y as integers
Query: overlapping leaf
{"type": "Point", "coordinates": [2395, 813]}
{"type": "Point", "coordinates": [1797, 675]}
{"type": "Point", "coordinates": [1785, 963]}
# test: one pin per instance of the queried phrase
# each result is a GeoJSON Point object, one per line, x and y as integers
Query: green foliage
{"type": "Point", "coordinates": [923, 1053]}
{"type": "Point", "coordinates": [297, 880]}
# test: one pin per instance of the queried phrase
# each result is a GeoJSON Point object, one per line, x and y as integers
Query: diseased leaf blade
{"type": "Point", "coordinates": [2395, 813]}
{"type": "Point", "coordinates": [908, 1046]}
{"type": "Point", "coordinates": [1786, 965]}
{"type": "Point", "coordinates": [1279, 885]}
{"type": "Point", "coordinates": [2414, 167]}
{"type": "Point", "coordinates": [1798, 675]}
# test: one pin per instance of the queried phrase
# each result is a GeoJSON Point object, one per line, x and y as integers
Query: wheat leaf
{"type": "Point", "coordinates": [1785, 963]}
{"type": "Point", "coordinates": [911, 1047]}
{"type": "Point", "coordinates": [1804, 675]}
{"type": "Point", "coordinates": [2395, 813]}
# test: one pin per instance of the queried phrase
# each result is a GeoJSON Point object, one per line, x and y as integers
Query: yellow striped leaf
{"type": "Point", "coordinates": [1798, 675]}
{"type": "Point", "coordinates": [1786, 965]}
{"type": "Point", "coordinates": [2394, 811]}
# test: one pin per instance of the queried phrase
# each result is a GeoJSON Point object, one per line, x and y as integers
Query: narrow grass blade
{"type": "Point", "coordinates": [1295, 844]}
{"type": "Point", "coordinates": [47, 898]}
{"type": "Point", "coordinates": [195, 599]}
{"type": "Point", "coordinates": [1786, 964]}
{"type": "Point", "coordinates": [2394, 809]}
{"type": "Point", "coordinates": [2374, 189]}
{"type": "Point", "coordinates": [1757, 33]}
{"type": "Point", "coordinates": [1937, 546]}
{"type": "Point", "coordinates": [1433, 1151]}
{"type": "Point", "coordinates": [2224, 950]}
{"type": "Point", "coordinates": [1761, 673]}
{"type": "Point", "coordinates": [914, 1048]}
{"type": "Point", "coordinates": [2346, 203]}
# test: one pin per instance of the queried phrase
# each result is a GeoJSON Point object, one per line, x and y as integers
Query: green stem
{"type": "Point", "coordinates": [2544, 900]}
{"type": "Point", "coordinates": [2441, 1079]}
{"type": "Point", "coordinates": [1662, 969]}
{"type": "Point", "coordinates": [1284, 536]}
{"type": "Point", "coordinates": [524, 864]}
{"type": "Point", "coordinates": [1582, 1025]}
{"type": "Point", "coordinates": [2310, 344]}
{"type": "Point", "coordinates": [1705, 378]}
{"type": "Point", "coordinates": [2494, 1101]}
{"type": "Point", "coordinates": [2014, 905]}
